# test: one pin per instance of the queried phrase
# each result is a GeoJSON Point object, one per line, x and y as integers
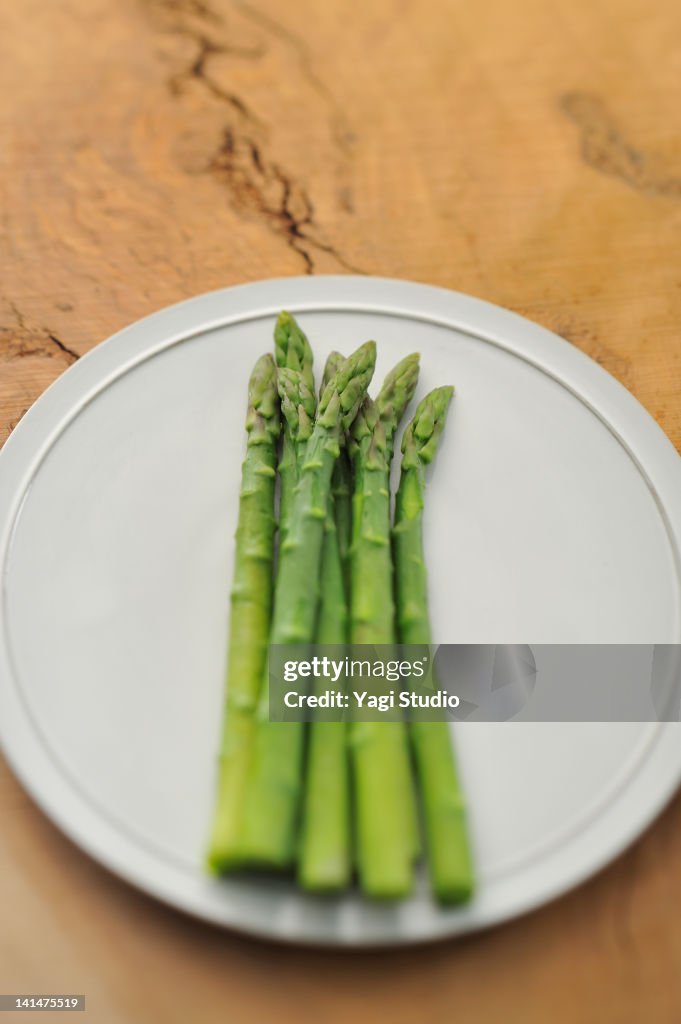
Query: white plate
{"type": "Point", "coordinates": [554, 515]}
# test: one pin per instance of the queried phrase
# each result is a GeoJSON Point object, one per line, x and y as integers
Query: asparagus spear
{"type": "Point", "coordinates": [386, 824]}
{"type": "Point", "coordinates": [342, 490]}
{"type": "Point", "coordinates": [251, 604]}
{"type": "Point", "coordinates": [371, 447]}
{"type": "Point", "coordinates": [275, 784]}
{"type": "Point", "coordinates": [292, 352]}
{"type": "Point", "coordinates": [448, 849]}
{"type": "Point", "coordinates": [292, 349]}
{"type": "Point", "coordinates": [395, 394]}
{"type": "Point", "coordinates": [341, 509]}
{"type": "Point", "coordinates": [325, 836]}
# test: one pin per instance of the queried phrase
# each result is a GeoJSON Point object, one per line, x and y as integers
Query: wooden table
{"type": "Point", "coordinates": [525, 152]}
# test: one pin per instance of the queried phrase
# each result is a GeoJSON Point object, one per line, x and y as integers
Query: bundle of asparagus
{"type": "Point", "coordinates": [330, 797]}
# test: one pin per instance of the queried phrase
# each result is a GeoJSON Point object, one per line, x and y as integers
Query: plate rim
{"type": "Point", "coordinates": [650, 449]}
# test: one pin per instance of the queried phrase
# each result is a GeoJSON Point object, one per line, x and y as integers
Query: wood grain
{"type": "Point", "coordinates": [527, 153]}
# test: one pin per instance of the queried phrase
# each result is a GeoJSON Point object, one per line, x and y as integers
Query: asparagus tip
{"type": "Point", "coordinates": [291, 348]}
{"type": "Point", "coordinates": [421, 436]}
{"type": "Point", "coordinates": [397, 392]}
{"type": "Point", "coordinates": [348, 386]}
{"type": "Point", "coordinates": [262, 419]}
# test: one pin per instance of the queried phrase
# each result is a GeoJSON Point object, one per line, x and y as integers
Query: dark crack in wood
{"type": "Point", "coordinates": [263, 188]}
{"type": "Point", "coordinates": [22, 340]}
{"type": "Point", "coordinates": [73, 356]}
{"type": "Point", "coordinates": [198, 72]}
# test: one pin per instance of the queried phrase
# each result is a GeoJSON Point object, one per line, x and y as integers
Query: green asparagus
{"type": "Point", "coordinates": [386, 821]}
{"type": "Point", "coordinates": [324, 862]}
{"type": "Point", "coordinates": [292, 352]}
{"type": "Point", "coordinates": [342, 489]}
{"type": "Point", "coordinates": [292, 349]}
{"type": "Point", "coordinates": [333, 605]}
{"type": "Point", "coordinates": [448, 848]}
{"type": "Point", "coordinates": [251, 605]}
{"type": "Point", "coordinates": [395, 394]}
{"type": "Point", "coordinates": [371, 447]}
{"type": "Point", "coordinates": [334, 527]}
{"type": "Point", "coordinates": [226, 849]}
{"type": "Point", "coordinates": [276, 781]}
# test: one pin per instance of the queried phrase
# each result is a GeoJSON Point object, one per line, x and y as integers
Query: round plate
{"type": "Point", "coordinates": [553, 515]}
